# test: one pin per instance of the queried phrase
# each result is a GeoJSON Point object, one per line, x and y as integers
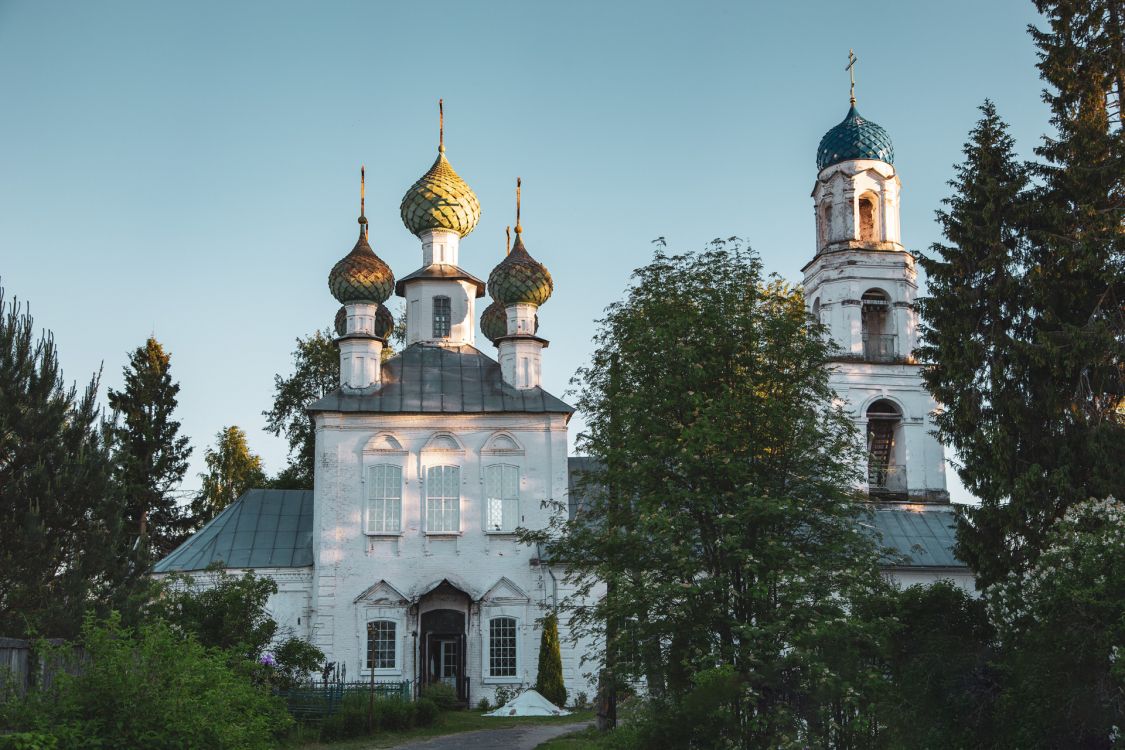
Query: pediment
{"type": "Point", "coordinates": [505, 591]}
{"type": "Point", "coordinates": [382, 593]}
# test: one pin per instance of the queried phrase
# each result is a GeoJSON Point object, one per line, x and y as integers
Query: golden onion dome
{"type": "Point", "coordinates": [440, 199]}
{"type": "Point", "coordinates": [519, 278]}
{"type": "Point", "coordinates": [361, 275]}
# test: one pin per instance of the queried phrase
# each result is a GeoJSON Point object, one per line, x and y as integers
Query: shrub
{"type": "Point", "coordinates": [426, 712]}
{"type": "Point", "coordinates": [549, 681]}
{"type": "Point", "coordinates": [152, 688]}
{"type": "Point", "coordinates": [441, 694]}
{"type": "Point", "coordinates": [28, 741]}
{"type": "Point", "coordinates": [581, 701]}
{"type": "Point", "coordinates": [483, 704]}
{"type": "Point", "coordinates": [504, 695]}
{"type": "Point", "coordinates": [394, 714]}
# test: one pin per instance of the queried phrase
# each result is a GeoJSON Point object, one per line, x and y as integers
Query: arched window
{"type": "Point", "coordinates": [885, 474]}
{"type": "Point", "coordinates": [502, 497]}
{"type": "Point", "coordinates": [384, 499]}
{"type": "Point", "coordinates": [382, 645]}
{"type": "Point", "coordinates": [502, 647]}
{"type": "Point", "coordinates": [443, 499]}
{"type": "Point", "coordinates": [867, 219]}
{"type": "Point", "coordinates": [443, 318]}
{"type": "Point", "coordinates": [875, 318]}
{"type": "Point", "coordinates": [826, 224]}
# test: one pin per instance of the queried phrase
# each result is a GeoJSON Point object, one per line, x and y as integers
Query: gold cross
{"type": "Point", "coordinates": [850, 67]}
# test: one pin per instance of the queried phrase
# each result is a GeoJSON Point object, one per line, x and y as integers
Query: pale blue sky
{"type": "Point", "coordinates": [190, 168]}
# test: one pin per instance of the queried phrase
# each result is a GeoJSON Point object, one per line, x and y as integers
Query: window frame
{"type": "Point", "coordinates": [442, 498]}
{"type": "Point", "coordinates": [448, 320]}
{"type": "Point", "coordinates": [487, 496]}
{"type": "Point", "coordinates": [517, 653]}
{"type": "Point", "coordinates": [396, 646]}
{"type": "Point", "coordinates": [369, 499]}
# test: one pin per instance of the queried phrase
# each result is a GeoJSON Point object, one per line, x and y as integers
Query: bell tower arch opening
{"type": "Point", "coordinates": [886, 472]}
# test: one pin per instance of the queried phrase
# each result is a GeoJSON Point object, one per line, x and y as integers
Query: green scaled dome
{"type": "Point", "coordinates": [854, 138]}
{"type": "Point", "coordinates": [361, 275]}
{"type": "Point", "coordinates": [384, 322]}
{"type": "Point", "coordinates": [440, 199]}
{"type": "Point", "coordinates": [519, 278]}
{"type": "Point", "coordinates": [494, 321]}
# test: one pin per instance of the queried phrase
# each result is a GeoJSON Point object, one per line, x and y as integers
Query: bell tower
{"type": "Point", "coordinates": [862, 284]}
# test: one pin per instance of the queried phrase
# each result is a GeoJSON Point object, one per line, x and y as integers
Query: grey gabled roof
{"type": "Point", "coordinates": [436, 379]}
{"type": "Point", "coordinates": [441, 271]}
{"type": "Point", "coordinates": [261, 529]}
{"type": "Point", "coordinates": [924, 534]}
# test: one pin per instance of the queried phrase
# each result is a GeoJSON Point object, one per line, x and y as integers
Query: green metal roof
{"type": "Point", "coordinates": [924, 534]}
{"type": "Point", "coordinates": [261, 529]}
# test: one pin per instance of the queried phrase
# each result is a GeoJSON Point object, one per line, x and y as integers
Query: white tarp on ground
{"type": "Point", "coordinates": [529, 703]}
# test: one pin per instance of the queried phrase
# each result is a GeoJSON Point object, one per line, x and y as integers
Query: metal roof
{"type": "Point", "coordinates": [443, 272]}
{"type": "Point", "coordinates": [261, 529]}
{"type": "Point", "coordinates": [924, 534]}
{"type": "Point", "coordinates": [854, 138]}
{"type": "Point", "coordinates": [428, 379]}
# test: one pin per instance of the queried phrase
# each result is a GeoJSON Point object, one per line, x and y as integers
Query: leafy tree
{"type": "Point", "coordinates": [720, 512]}
{"type": "Point", "coordinates": [55, 492]}
{"type": "Point", "coordinates": [149, 454]}
{"type": "Point", "coordinates": [1062, 625]}
{"type": "Point", "coordinates": [316, 373]}
{"type": "Point", "coordinates": [231, 470]}
{"type": "Point", "coordinates": [549, 680]}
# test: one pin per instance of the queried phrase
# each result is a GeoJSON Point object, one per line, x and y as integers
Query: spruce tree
{"type": "Point", "coordinates": [150, 456]}
{"type": "Point", "coordinates": [55, 493]}
{"type": "Point", "coordinates": [549, 680]}
{"type": "Point", "coordinates": [231, 470]}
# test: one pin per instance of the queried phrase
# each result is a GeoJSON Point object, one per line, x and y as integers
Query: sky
{"type": "Point", "coordinates": [190, 170]}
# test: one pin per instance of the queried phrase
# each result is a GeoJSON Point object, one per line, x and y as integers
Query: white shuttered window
{"type": "Point", "coordinates": [502, 497]}
{"type": "Point", "coordinates": [443, 499]}
{"type": "Point", "coordinates": [384, 499]}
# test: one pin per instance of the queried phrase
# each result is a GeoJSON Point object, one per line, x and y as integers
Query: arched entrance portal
{"type": "Point", "coordinates": [442, 642]}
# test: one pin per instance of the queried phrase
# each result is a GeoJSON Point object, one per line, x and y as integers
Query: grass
{"type": "Point", "coordinates": [587, 739]}
{"type": "Point", "coordinates": [449, 722]}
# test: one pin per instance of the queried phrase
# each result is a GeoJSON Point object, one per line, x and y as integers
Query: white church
{"type": "Point", "coordinates": [402, 564]}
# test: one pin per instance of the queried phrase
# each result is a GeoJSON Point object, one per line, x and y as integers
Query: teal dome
{"type": "Point", "coordinates": [854, 138]}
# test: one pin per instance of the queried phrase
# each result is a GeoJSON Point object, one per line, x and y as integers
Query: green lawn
{"type": "Point", "coordinates": [450, 722]}
{"type": "Point", "coordinates": [587, 739]}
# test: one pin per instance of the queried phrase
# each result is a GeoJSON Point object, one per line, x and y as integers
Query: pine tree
{"type": "Point", "coordinates": [150, 456]}
{"type": "Point", "coordinates": [549, 680]}
{"type": "Point", "coordinates": [55, 492]}
{"type": "Point", "coordinates": [231, 470]}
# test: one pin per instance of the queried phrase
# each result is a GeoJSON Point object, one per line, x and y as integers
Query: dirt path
{"type": "Point", "coordinates": [525, 737]}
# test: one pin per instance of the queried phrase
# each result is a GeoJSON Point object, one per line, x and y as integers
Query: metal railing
{"type": "Point", "coordinates": [319, 699]}
{"type": "Point", "coordinates": [879, 347]}
{"type": "Point", "coordinates": [885, 478]}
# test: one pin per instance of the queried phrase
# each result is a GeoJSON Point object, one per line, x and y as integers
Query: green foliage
{"type": "Point", "coordinates": [505, 695]}
{"type": "Point", "coordinates": [231, 470]}
{"type": "Point", "coordinates": [316, 372]}
{"type": "Point", "coordinates": [549, 679]}
{"type": "Point", "coordinates": [426, 712]}
{"type": "Point", "coordinates": [720, 512]}
{"type": "Point", "coordinates": [150, 456]}
{"type": "Point", "coordinates": [57, 539]}
{"type": "Point", "coordinates": [296, 659]}
{"type": "Point", "coordinates": [441, 694]}
{"type": "Point", "coordinates": [28, 741]}
{"type": "Point", "coordinates": [152, 688]}
{"type": "Point", "coordinates": [1061, 624]}
{"type": "Point", "coordinates": [483, 705]}
{"type": "Point", "coordinates": [220, 610]}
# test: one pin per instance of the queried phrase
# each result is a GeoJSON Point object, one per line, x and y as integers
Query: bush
{"type": "Point", "coordinates": [152, 688]}
{"type": "Point", "coordinates": [28, 741]}
{"type": "Point", "coordinates": [549, 681]}
{"type": "Point", "coordinates": [350, 719]}
{"type": "Point", "coordinates": [483, 704]}
{"type": "Point", "coordinates": [394, 714]}
{"type": "Point", "coordinates": [426, 712]}
{"type": "Point", "coordinates": [441, 694]}
{"type": "Point", "coordinates": [505, 695]}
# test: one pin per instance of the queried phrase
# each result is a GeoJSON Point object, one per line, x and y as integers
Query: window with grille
{"type": "Point", "coordinates": [384, 499]}
{"type": "Point", "coordinates": [502, 647]}
{"type": "Point", "coordinates": [502, 496]}
{"type": "Point", "coordinates": [443, 499]}
{"type": "Point", "coordinates": [381, 645]}
{"type": "Point", "coordinates": [443, 318]}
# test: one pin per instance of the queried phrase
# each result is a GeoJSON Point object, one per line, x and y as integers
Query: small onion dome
{"type": "Point", "coordinates": [854, 138]}
{"type": "Point", "coordinates": [361, 275]}
{"type": "Point", "coordinates": [494, 321]}
{"type": "Point", "coordinates": [440, 199]}
{"type": "Point", "coordinates": [384, 322]}
{"type": "Point", "coordinates": [519, 278]}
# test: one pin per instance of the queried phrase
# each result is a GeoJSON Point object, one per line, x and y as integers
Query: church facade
{"type": "Point", "coordinates": [402, 564]}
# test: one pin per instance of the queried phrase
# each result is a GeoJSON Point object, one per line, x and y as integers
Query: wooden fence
{"type": "Point", "coordinates": [21, 667]}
